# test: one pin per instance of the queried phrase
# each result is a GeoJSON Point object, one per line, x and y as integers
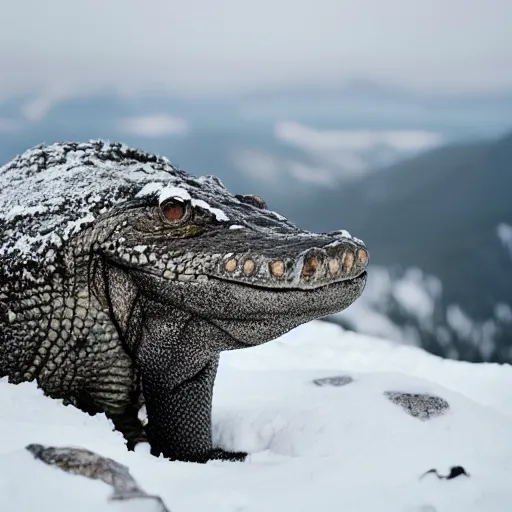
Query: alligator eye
{"type": "Point", "coordinates": [252, 200]}
{"type": "Point", "coordinates": [174, 210]}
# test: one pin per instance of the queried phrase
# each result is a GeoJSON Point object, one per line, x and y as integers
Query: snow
{"type": "Point", "coordinates": [149, 189]}
{"type": "Point", "coordinates": [503, 312]}
{"type": "Point", "coordinates": [217, 212]}
{"type": "Point", "coordinates": [182, 194]}
{"type": "Point", "coordinates": [411, 293]}
{"type": "Point", "coordinates": [459, 321]}
{"type": "Point", "coordinates": [312, 447]}
{"type": "Point", "coordinates": [504, 232]}
{"type": "Point", "coordinates": [51, 192]}
{"type": "Point", "coordinates": [43, 200]}
{"type": "Point", "coordinates": [173, 192]}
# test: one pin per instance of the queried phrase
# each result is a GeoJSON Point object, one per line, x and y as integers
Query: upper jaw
{"type": "Point", "coordinates": [298, 268]}
{"type": "Point", "coordinates": [277, 261]}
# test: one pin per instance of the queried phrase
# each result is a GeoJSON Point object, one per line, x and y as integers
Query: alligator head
{"type": "Point", "coordinates": [231, 272]}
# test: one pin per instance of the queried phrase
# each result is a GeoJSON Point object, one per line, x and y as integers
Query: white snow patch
{"type": "Point", "coordinates": [415, 293]}
{"type": "Point", "coordinates": [175, 193]}
{"type": "Point", "coordinates": [217, 212]}
{"type": "Point", "coordinates": [150, 188]}
{"type": "Point", "coordinates": [410, 292]}
{"type": "Point", "coordinates": [313, 448]}
{"type": "Point", "coordinates": [24, 211]}
{"type": "Point", "coordinates": [503, 312]}
{"type": "Point", "coordinates": [459, 321]}
{"type": "Point", "coordinates": [278, 216]}
{"type": "Point", "coordinates": [504, 232]}
{"type": "Point", "coordinates": [364, 318]}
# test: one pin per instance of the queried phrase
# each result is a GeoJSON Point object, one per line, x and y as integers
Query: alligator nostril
{"type": "Point", "coordinates": [310, 266]}
{"type": "Point", "coordinates": [362, 256]}
{"type": "Point", "coordinates": [277, 268]}
{"type": "Point", "coordinates": [334, 266]}
{"type": "Point", "coordinates": [249, 267]}
{"type": "Point", "coordinates": [230, 265]}
{"type": "Point", "coordinates": [348, 261]}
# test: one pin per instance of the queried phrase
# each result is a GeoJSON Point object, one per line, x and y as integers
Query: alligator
{"type": "Point", "coordinates": [123, 278]}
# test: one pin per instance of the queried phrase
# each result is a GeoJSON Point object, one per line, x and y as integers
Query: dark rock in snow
{"type": "Point", "coordinates": [338, 380]}
{"type": "Point", "coordinates": [91, 465]}
{"type": "Point", "coordinates": [421, 406]}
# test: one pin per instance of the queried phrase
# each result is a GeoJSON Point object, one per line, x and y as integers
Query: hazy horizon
{"type": "Point", "coordinates": [197, 48]}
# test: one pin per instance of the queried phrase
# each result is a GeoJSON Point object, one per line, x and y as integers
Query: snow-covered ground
{"type": "Point", "coordinates": [314, 448]}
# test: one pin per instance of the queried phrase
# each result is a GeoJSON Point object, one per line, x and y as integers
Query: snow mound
{"type": "Point", "coordinates": [339, 443]}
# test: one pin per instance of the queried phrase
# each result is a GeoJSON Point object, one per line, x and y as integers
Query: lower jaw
{"type": "Point", "coordinates": [253, 302]}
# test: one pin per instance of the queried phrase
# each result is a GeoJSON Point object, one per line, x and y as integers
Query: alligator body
{"type": "Point", "coordinates": [122, 279]}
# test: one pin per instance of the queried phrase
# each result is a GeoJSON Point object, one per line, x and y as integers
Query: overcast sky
{"type": "Point", "coordinates": [208, 47]}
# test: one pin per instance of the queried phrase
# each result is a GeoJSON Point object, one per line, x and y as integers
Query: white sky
{"type": "Point", "coordinates": [220, 46]}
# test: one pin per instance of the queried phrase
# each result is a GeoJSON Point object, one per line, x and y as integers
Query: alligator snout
{"type": "Point", "coordinates": [333, 263]}
{"type": "Point", "coordinates": [326, 261]}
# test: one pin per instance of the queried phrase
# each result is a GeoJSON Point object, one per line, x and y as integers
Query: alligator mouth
{"type": "Point", "coordinates": [286, 289]}
{"type": "Point", "coordinates": [232, 300]}
{"type": "Point", "coordinates": [248, 314]}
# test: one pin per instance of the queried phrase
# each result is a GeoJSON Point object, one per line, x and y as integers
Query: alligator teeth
{"type": "Point", "coordinates": [348, 261]}
{"type": "Point", "coordinates": [277, 268]}
{"type": "Point", "coordinates": [230, 265]}
{"type": "Point", "coordinates": [249, 267]}
{"type": "Point", "coordinates": [362, 256]}
{"type": "Point", "coordinates": [334, 266]}
{"type": "Point", "coordinates": [310, 266]}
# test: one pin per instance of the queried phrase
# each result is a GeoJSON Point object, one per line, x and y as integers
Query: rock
{"type": "Point", "coordinates": [421, 406]}
{"type": "Point", "coordinates": [94, 466]}
{"type": "Point", "coordinates": [339, 380]}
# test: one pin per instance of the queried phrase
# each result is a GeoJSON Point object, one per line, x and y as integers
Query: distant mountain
{"type": "Point", "coordinates": [439, 211]}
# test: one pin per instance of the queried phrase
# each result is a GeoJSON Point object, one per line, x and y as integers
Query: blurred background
{"type": "Point", "coordinates": [391, 119]}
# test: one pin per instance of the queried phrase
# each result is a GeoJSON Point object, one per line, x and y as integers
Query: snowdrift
{"type": "Point", "coordinates": [313, 408]}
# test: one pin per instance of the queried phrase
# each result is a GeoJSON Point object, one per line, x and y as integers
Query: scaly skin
{"type": "Point", "coordinates": [122, 279]}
